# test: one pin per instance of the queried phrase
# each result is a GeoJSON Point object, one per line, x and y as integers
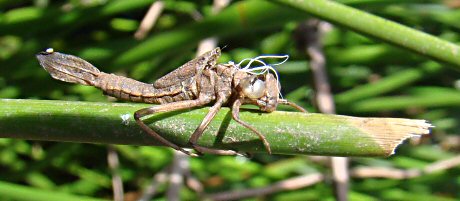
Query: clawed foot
{"type": "Point", "coordinates": [189, 153]}
{"type": "Point", "coordinates": [200, 150]}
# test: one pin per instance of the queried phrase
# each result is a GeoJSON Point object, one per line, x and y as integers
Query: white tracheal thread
{"type": "Point", "coordinates": [265, 68]}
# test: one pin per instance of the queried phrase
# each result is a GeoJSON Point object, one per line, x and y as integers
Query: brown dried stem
{"type": "Point", "coordinates": [393, 173]}
{"type": "Point", "coordinates": [149, 20]}
{"type": "Point", "coordinates": [179, 167]}
{"type": "Point", "coordinates": [159, 178]}
{"type": "Point", "coordinates": [315, 30]}
{"type": "Point", "coordinates": [288, 184]}
{"type": "Point", "coordinates": [114, 165]}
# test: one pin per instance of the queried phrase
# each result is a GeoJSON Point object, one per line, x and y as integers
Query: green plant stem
{"type": "Point", "coordinates": [380, 28]}
{"type": "Point", "coordinates": [387, 84]}
{"type": "Point", "coordinates": [240, 17]}
{"type": "Point", "coordinates": [10, 191]}
{"type": "Point", "coordinates": [288, 132]}
{"type": "Point", "coordinates": [432, 99]}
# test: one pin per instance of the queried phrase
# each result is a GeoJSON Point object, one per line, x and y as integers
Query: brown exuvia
{"type": "Point", "coordinates": [198, 82]}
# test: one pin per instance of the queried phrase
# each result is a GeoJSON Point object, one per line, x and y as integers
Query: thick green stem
{"type": "Point", "coordinates": [380, 28]}
{"type": "Point", "coordinates": [287, 132]}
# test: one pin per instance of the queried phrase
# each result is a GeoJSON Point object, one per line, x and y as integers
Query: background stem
{"type": "Point", "coordinates": [20, 192]}
{"type": "Point", "coordinates": [380, 28]}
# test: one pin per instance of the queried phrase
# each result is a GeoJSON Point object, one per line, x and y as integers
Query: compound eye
{"type": "Point", "coordinates": [254, 88]}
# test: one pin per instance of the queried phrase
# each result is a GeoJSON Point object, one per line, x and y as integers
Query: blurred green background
{"type": "Point", "coordinates": [368, 78]}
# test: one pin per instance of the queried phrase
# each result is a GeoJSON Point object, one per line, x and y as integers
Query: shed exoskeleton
{"type": "Point", "coordinates": [199, 82]}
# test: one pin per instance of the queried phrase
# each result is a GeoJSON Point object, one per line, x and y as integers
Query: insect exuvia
{"type": "Point", "coordinates": [199, 82]}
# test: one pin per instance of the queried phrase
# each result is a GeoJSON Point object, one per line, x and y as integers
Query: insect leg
{"type": "Point", "coordinates": [199, 131]}
{"type": "Point", "coordinates": [286, 102]}
{"type": "Point", "coordinates": [222, 87]}
{"type": "Point", "coordinates": [236, 116]}
{"type": "Point", "coordinates": [167, 108]}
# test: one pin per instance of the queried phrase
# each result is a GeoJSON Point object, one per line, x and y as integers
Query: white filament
{"type": "Point", "coordinates": [265, 68]}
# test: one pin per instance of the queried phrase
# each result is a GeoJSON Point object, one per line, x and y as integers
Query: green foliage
{"type": "Point", "coordinates": [370, 76]}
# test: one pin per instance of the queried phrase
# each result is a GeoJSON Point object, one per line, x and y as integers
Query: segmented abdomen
{"type": "Point", "coordinates": [124, 88]}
